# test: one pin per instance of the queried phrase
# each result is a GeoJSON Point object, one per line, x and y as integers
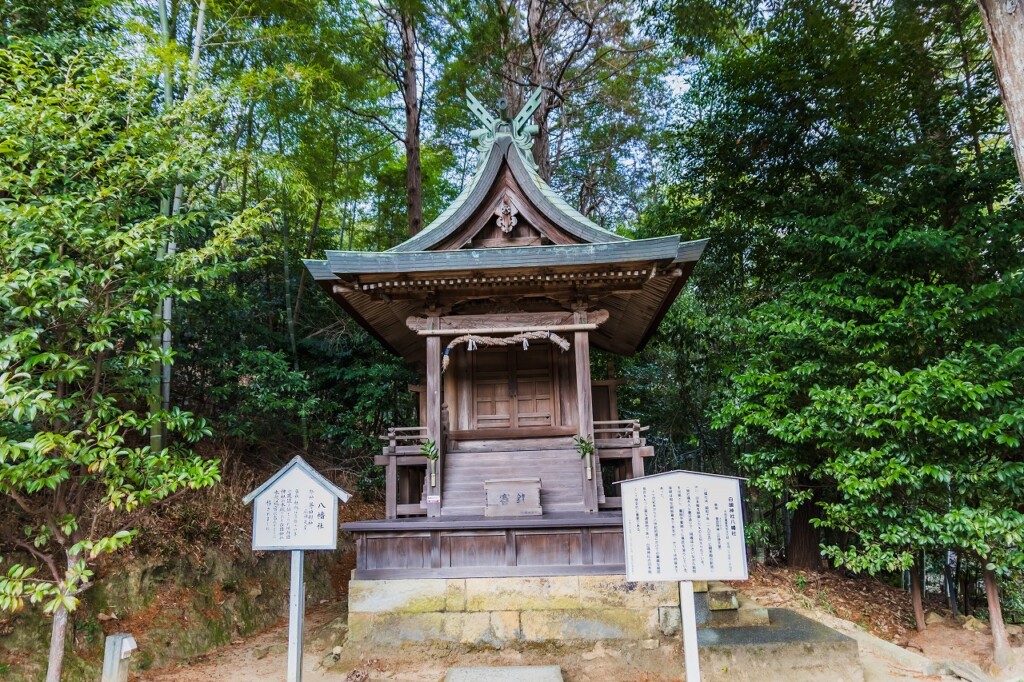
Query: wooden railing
{"type": "Point", "coordinates": [618, 433]}
{"type": "Point", "coordinates": [621, 449]}
{"type": "Point", "coordinates": [403, 450]}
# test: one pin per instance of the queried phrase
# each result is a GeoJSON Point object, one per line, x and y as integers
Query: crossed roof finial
{"type": "Point", "coordinates": [520, 128]}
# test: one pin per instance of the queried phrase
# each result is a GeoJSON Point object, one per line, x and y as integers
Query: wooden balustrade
{"type": "Point", "coordinates": [613, 433]}
{"type": "Point", "coordinates": [403, 449]}
{"type": "Point", "coordinates": [621, 448]}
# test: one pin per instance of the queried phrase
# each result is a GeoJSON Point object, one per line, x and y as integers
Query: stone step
{"type": "Point", "coordinates": [515, 673]}
{"type": "Point", "coordinates": [721, 597]}
{"type": "Point", "coordinates": [793, 648]}
{"type": "Point", "coordinates": [749, 613]}
{"type": "Point", "coordinates": [723, 606]}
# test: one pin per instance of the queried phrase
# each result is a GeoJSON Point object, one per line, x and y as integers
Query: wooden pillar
{"type": "Point", "coordinates": [391, 477]}
{"type": "Point", "coordinates": [433, 421]}
{"type": "Point", "coordinates": [585, 404]}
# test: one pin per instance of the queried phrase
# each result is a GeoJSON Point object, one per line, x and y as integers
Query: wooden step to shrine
{"type": "Point", "coordinates": [510, 444]}
{"type": "Point", "coordinates": [465, 472]}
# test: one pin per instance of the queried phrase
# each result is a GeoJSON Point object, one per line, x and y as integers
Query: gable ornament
{"type": "Point", "coordinates": [520, 128]}
{"type": "Point", "coordinates": [506, 212]}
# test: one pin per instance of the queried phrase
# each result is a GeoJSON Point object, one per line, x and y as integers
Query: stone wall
{"type": "Point", "coordinates": [498, 611]}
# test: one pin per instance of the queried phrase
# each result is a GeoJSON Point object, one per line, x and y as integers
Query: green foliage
{"type": "Point", "coordinates": [429, 450]}
{"type": "Point", "coordinates": [84, 162]}
{"type": "Point", "coordinates": [584, 445]}
{"type": "Point", "coordinates": [260, 393]}
{"type": "Point", "coordinates": [863, 282]}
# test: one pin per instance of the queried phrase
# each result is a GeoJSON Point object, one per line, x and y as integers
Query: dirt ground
{"type": "Point", "coordinates": [867, 606]}
{"type": "Point", "coordinates": [880, 609]}
{"type": "Point", "coordinates": [263, 658]}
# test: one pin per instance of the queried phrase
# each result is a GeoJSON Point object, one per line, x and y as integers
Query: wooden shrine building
{"type": "Point", "coordinates": [499, 301]}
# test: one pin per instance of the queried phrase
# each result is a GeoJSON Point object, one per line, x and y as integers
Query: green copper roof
{"type": "Point", "coordinates": [554, 208]}
{"type": "Point", "coordinates": [381, 290]}
{"type": "Point", "coordinates": [661, 249]}
{"type": "Point", "coordinates": [506, 142]}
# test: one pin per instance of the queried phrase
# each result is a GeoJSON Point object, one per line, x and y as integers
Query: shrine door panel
{"type": "Point", "coordinates": [513, 388]}
{"type": "Point", "coordinates": [533, 386]}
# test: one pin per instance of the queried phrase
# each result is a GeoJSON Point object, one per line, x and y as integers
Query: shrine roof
{"type": "Point", "coordinates": [503, 150]}
{"type": "Point", "coordinates": [342, 263]}
{"type": "Point", "coordinates": [508, 238]}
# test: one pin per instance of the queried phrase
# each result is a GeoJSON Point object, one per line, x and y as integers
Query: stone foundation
{"type": "Point", "coordinates": [499, 611]}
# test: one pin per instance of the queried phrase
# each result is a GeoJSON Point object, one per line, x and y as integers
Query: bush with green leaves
{"type": "Point", "coordinates": [85, 159]}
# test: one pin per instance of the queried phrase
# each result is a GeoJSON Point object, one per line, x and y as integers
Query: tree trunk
{"type": "Point", "coordinates": [917, 597]}
{"type": "Point", "coordinates": [1000, 643]}
{"type": "Point", "coordinates": [1004, 23]}
{"type": "Point", "coordinates": [156, 433]}
{"type": "Point", "coordinates": [951, 583]}
{"type": "Point", "coordinates": [757, 516]}
{"type": "Point", "coordinates": [289, 314]}
{"type": "Point", "coordinates": [539, 77]}
{"type": "Point", "coordinates": [410, 93]}
{"type": "Point", "coordinates": [179, 192]}
{"type": "Point", "coordinates": [58, 634]}
{"type": "Point", "coordinates": [309, 252]}
{"type": "Point", "coordinates": [803, 550]}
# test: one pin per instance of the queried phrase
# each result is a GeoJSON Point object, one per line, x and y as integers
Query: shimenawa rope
{"type": "Point", "coordinates": [472, 341]}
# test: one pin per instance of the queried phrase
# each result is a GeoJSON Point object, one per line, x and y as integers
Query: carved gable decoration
{"type": "Point", "coordinates": [506, 220]}
{"type": "Point", "coordinates": [506, 213]}
{"type": "Point", "coordinates": [509, 243]}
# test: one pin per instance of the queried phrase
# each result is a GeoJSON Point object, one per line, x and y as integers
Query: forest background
{"type": "Point", "coordinates": [851, 340]}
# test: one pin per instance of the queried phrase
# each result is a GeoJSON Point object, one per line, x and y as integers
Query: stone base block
{"type": "Point", "coordinates": [589, 625]}
{"type": "Point", "coordinates": [793, 648]}
{"type": "Point", "coordinates": [499, 611]}
{"type": "Point", "coordinates": [516, 673]}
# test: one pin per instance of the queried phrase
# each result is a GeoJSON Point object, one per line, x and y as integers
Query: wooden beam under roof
{"type": "Point", "coordinates": [533, 321]}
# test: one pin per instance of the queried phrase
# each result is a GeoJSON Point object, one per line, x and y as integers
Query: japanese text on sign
{"type": "Point", "coordinates": [683, 526]}
{"type": "Point", "coordinates": [296, 512]}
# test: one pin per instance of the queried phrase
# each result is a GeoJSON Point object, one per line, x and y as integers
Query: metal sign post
{"type": "Point", "coordinates": [295, 510]}
{"type": "Point", "coordinates": [684, 526]}
{"type": "Point", "coordinates": [296, 614]}
{"type": "Point", "coordinates": [688, 628]}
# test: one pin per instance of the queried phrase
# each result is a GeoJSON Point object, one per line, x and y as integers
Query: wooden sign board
{"type": "Point", "coordinates": [683, 525]}
{"type": "Point", "coordinates": [296, 508]}
{"type": "Point", "coordinates": [512, 497]}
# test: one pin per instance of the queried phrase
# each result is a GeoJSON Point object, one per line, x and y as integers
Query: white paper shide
{"type": "Point", "coordinates": [683, 526]}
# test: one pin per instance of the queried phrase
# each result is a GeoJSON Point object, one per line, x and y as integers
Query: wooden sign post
{"type": "Point", "coordinates": [296, 510]}
{"type": "Point", "coordinates": [684, 526]}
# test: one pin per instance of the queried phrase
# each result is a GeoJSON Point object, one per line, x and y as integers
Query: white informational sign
{"type": "Point", "coordinates": [682, 525]}
{"type": "Point", "coordinates": [295, 513]}
{"type": "Point", "coordinates": [295, 509]}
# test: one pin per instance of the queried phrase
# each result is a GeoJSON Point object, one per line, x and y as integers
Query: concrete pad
{"type": "Point", "coordinates": [793, 647]}
{"type": "Point", "coordinates": [515, 673]}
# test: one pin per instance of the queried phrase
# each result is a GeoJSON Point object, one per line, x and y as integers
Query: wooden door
{"type": "Point", "coordinates": [513, 389]}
